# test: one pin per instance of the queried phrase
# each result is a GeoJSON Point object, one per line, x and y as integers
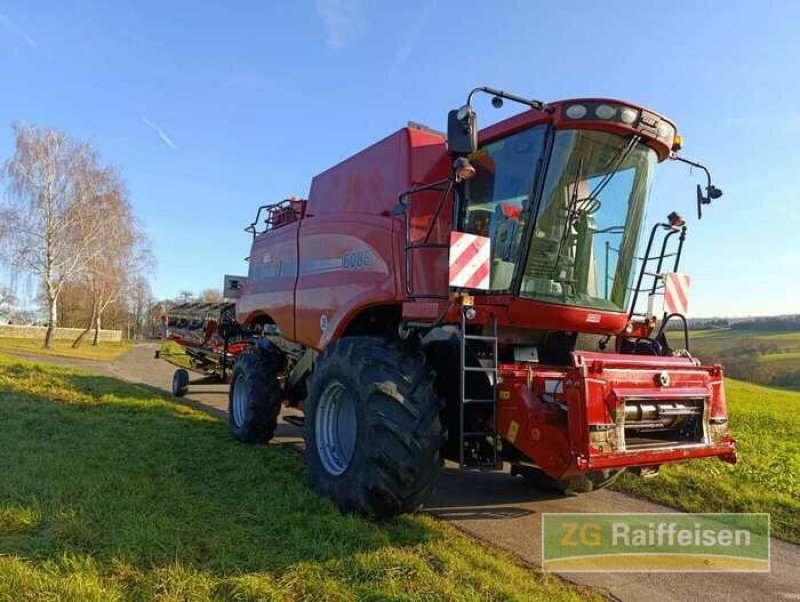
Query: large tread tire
{"type": "Point", "coordinates": [398, 432]}
{"type": "Point", "coordinates": [255, 377]}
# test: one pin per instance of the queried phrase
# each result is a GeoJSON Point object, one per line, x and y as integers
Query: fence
{"type": "Point", "coordinates": [37, 332]}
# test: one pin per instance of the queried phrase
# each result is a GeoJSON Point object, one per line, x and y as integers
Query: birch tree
{"type": "Point", "coordinates": [51, 230]}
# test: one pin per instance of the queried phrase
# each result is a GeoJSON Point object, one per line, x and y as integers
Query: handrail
{"type": "Point", "coordinates": [445, 185]}
{"type": "Point", "coordinates": [277, 215]}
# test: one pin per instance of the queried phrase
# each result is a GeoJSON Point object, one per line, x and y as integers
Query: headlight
{"type": "Point", "coordinates": [605, 111]}
{"type": "Point", "coordinates": [575, 111]}
{"type": "Point", "coordinates": [664, 130]}
{"type": "Point", "coordinates": [628, 115]}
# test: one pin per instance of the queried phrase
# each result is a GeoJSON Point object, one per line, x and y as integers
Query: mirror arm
{"type": "Point", "coordinates": [535, 104]}
{"type": "Point", "coordinates": [712, 192]}
{"type": "Point", "coordinates": [676, 157]}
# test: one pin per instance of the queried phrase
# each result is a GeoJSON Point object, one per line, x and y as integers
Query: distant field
{"type": "Point", "coordinates": [761, 356]}
{"type": "Point", "coordinates": [111, 492]}
{"type": "Point", "coordinates": [789, 356]}
{"type": "Point", "coordinates": [766, 425]}
{"type": "Point", "coordinates": [725, 338]}
{"type": "Point", "coordinates": [104, 351]}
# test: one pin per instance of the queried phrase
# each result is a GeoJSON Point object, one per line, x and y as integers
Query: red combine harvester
{"type": "Point", "coordinates": [435, 297]}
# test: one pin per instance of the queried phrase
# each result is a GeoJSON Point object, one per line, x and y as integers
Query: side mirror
{"type": "Point", "coordinates": [462, 131]}
{"type": "Point", "coordinates": [712, 193]}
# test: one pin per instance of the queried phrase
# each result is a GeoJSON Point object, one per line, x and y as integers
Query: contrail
{"type": "Point", "coordinates": [15, 29]}
{"type": "Point", "coordinates": [161, 133]}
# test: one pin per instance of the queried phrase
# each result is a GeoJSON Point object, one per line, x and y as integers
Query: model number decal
{"type": "Point", "coordinates": [360, 258]}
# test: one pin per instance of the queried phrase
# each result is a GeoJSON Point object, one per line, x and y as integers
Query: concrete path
{"type": "Point", "coordinates": [505, 511]}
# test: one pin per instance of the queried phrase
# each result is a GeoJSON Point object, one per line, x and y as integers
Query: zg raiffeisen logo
{"type": "Point", "coordinates": [655, 542]}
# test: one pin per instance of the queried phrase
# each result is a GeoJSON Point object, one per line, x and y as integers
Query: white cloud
{"type": "Point", "coordinates": [161, 133]}
{"type": "Point", "coordinates": [343, 20]}
{"type": "Point", "coordinates": [9, 24]}
{"type": "Point", "coordinates": [410, 40]}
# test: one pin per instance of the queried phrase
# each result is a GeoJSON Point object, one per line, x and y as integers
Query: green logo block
{"type": "Point", "coordinates": [665, 542]}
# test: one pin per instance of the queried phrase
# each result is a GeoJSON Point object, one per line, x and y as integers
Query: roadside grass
{"type": "Point", "coordinates": [766, 424]}
{"type": "Point", "coordinates": [104, 351]}
{"type": "Point", "coordinates": [112, 492]}
{"type": "Point", "coordinates": [174, 354]}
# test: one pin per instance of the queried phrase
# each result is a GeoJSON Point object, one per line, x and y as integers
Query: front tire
{"type": "Point", "coordinates": [180, 382]}
{"type": "Point", "coordinates": [372, 426]}
{"type": "Point", "coordinates": [254, 399]}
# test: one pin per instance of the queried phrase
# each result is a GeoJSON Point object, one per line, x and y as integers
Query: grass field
{"type": "Point", "coordinates": [788, 356]}
{"type": "Point", "coordinates": [766, 424]}
{"type": "Point", "coordinates": [762, 356]}
{"type": "Point", "coordinates": [110, 492]}
{"type": "Point", "coordinates": [104, 351]}
{"type": "Point", "coordinates": [712, 344]}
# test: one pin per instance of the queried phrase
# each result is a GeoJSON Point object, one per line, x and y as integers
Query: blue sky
{"type": "Point", "coordinates": [211, 110]}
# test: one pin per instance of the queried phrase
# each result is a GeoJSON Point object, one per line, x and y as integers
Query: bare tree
{"type": "Point", "coordinates": [184, 297]}
{"type": "Point", "coordinates": [8, 302]}
{"type": "Point", "coordinates": [51, 228]}
{"type": "Point", "coordinates": [211, 295]}
{"type": "Point", "coordinates": [116, 257]}
{"type": "Point", "coordinates": [140, 302]}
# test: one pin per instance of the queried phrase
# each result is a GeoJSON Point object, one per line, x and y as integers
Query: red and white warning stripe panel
{"type": "Point", "coordinates": [676, 293]}
{"type": "Point", "coordinates": [470, 265]}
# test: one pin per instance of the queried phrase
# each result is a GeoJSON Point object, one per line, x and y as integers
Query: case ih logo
{"type": "Point", "coordinates": [469, 260]}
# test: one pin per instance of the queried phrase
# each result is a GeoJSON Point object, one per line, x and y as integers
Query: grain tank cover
{"type": "Point", "coordinates": [371, 180]}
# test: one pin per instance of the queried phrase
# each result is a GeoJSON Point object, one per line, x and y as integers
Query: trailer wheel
{"type": "Point", "coordinates": [180, 382]}
{"type": "Point", "coordinates": [582, 483]}
{"type": "Point", "coordinates": [254, 399]}
{"type": "Point", "coordinates": [372, 426]}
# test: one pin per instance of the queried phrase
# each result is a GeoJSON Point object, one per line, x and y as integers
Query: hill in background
{"type": "Point", "coordinates": [763, 350]}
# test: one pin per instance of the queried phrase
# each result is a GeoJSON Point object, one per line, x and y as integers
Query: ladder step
{"type": "Point", "coordinates": [487, 466]}
{"type": "Point", "coordinates": [490, 436]}
{"type": "Point", "coordinates": [477, 337]}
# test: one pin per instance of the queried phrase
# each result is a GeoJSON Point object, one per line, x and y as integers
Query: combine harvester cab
{"type": "Point", "coordinates": [457, 297]}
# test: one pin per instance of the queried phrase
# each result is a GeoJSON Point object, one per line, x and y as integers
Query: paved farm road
{"type": "Point", "coordinates": [506, 512]}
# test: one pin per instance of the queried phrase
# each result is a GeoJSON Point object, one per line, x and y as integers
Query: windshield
{"type": "Point", "coordinates": [587, 228]}
{"type": "Point", "coordinates": [495, 201]}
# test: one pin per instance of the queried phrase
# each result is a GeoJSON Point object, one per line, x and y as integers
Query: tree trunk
{"type": "Point", "coordinates": [52, 315]}
{"type": "Point", "coordinates": [96, 340]}
{"type": "Point", "coordinates": [77, 342]}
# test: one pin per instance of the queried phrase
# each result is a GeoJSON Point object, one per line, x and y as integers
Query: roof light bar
{"type": "Point", "coordinates": [650, 124]}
